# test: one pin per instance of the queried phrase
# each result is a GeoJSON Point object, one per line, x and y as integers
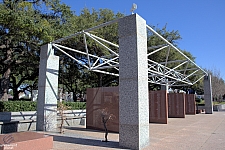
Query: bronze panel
{"type": "Point", "coordinates": [102, 100]}
{"type": "Point", "coordinates": [190, 106]}
{"type": "Point", "coordinates": [158, 107]}
{"type": "Point", "coordinates": [176, 105]}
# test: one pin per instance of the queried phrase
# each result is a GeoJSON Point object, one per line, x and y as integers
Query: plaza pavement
{"type": "Point", "coordinates": [195, 132]}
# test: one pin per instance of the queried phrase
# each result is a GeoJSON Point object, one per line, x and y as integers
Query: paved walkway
{"type": "Point", "coordinates": [195, 132]}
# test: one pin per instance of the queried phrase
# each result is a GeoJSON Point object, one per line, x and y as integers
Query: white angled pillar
{"type": "Point", "coordinates": [133, 83]}
{"type": "Point", "coordinates": [47, 90]}
{"type": "Point", "coordinates": [208, 95]}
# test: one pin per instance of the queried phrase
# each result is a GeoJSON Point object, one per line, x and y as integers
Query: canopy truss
{"type": "Point", "coordinates": [163, 70]}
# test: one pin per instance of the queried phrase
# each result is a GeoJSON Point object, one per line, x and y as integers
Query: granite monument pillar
{"type": "Point", "coordinates": [133, 83]}
{"type": "Point", "coordinates": [47, 90]}
{"type": "Point", "coordinates": [208, 95]}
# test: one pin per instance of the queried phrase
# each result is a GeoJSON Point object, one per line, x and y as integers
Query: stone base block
{"type": "Point", "coordinates": [26, 141]}
{"type": "Point", "coordinates": [73, 122]}
{"type": "Point", "coordinates": [9, 127]}
{"type": "Point", "coordinates": [27, 126]}
{"type": "Point", "coordinates": [134, 141]}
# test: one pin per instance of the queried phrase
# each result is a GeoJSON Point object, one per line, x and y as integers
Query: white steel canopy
{"type": "Point", "coordinates": [171, 71]}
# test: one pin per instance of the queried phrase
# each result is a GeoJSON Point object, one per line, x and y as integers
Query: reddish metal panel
{"type": "Point", "coordinates": [190, 106]}
{"type": "Point", "coordinates": [100, 100]}
{"type": "Point", "coordinates": [158, 107]}
{"type": "Point", "coordinates": [176, 105]}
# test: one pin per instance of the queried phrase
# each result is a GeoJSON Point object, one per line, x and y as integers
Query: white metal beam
{"type": "Point", "coordinates": [158, 72]}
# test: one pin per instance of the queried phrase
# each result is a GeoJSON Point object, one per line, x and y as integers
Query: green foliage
{"type": "Point", "coordinates": [198, 100]}
{"type": "Point", "coordinates": [16, 106]}
{"type": "Point", "coordinates": [25, 25]}
{"type": "Point", "coordinates": [74, 105]}
{"type": "Point", "coordinates": [74, 77]}
{"type": "Point", "coordinates": [218, 103]}
{"type": "Point", "coordinates": [172, 57]}
{"type": "Point", "coordinates": [202, 103]}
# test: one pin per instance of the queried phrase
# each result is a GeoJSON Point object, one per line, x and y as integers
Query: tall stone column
{"type": "Point", "coordinates": [133, 83]}
{"type": "Point", "coordinates": [47, 90]}
{"type": "Point", "coordinates": [208, 95]}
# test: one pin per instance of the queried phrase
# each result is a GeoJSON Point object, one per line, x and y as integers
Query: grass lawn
{"type": "Point", "coordinates": [214, 103]}
{"type": "Point", "coordinates": [218, 103]}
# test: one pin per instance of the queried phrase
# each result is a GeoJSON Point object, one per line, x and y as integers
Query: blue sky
{"type": "Point", "coordinates": [201, 23]}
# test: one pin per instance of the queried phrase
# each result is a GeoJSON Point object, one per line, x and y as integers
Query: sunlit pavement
{"type": "Point", "coordinates": [194, 132]}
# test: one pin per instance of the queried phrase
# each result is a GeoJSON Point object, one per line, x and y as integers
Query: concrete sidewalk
{"type": "Point", "coordinates": [195, 132]}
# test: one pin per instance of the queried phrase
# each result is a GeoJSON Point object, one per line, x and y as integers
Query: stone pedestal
{"type": "Point", "coordinates": [133, 87]}
{"type": "Point", "coordinates": [34, 95]}
{"type": "Point", "coordinates": [26, 141]}
{"type": "Point", "coordinates": [47, 90]}
{"type": "Point", "coordinates": [208, 95]}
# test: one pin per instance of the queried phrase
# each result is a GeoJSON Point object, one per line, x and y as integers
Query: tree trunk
{"type": "Point", "coordinates": [14, 87]}
{"type": "Point", "coordinates": [4, 86]}
{"type": "Point", "coordinates": [100, 79]}
{"type": "Point", "coordinates": [105, 127]}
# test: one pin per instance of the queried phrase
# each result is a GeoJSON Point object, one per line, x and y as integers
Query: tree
{"type": "Point", "coordinates": [61, 108]}
{"type": "Point", "coordinates": [218, 84]}
{"type": "Point", "coordinates": [73, 76]}
{"type": "Point", "coordinates": [88, 19]}
{"type": "Point", "coordinates": [25, 25]}
{"type": "Point", "coordinates": [154, 40]}
{"type": "Point", "coordinates": [167, 55]}
{"type": "Point", "coordinates": [106, 116]}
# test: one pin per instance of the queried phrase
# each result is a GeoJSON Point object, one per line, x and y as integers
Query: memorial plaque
{"type": "Point", "coordinates": [176, 105]}
{"type": "Point", "coordinates": [102, 101]}
{"type": "Point", "coordinates": [190, 106]}
{"type": "Point", "coordinates": [158, 107]}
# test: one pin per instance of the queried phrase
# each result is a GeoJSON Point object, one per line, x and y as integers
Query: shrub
{"type": "Point", "coordinates": [198, 100]}
{"type": "Point", "coordinates": [75, 105]}
{"type": "Point", "coordinates": [15, 106]}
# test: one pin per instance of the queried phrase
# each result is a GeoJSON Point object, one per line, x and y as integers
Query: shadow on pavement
{"type": "Point", "coordinates": [83, 141]}
{"type": "Point", "coordinates": [82, 129]}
